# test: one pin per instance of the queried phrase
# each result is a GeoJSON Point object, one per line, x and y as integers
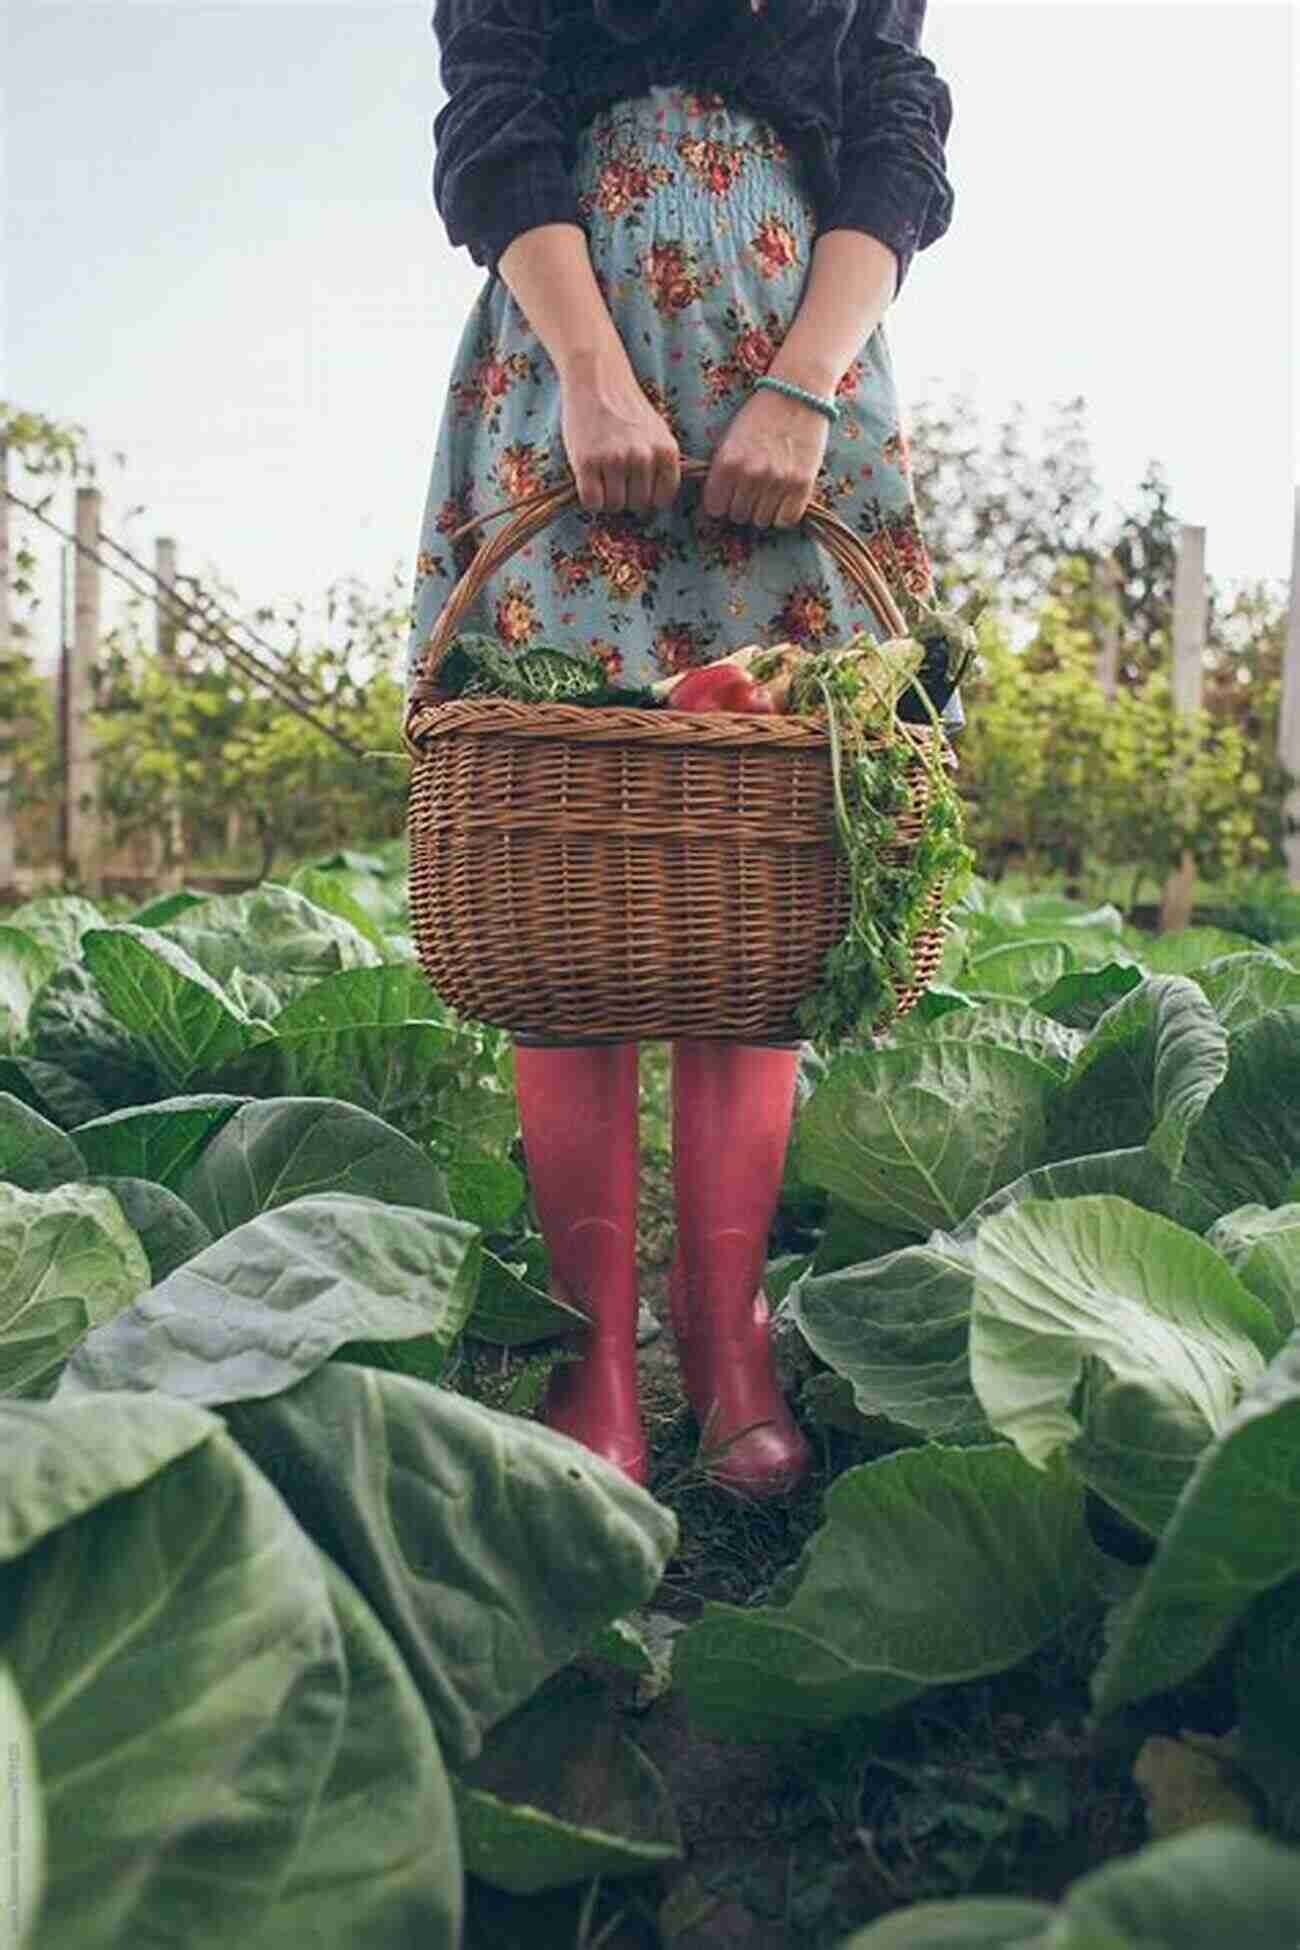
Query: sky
{"type": "Point", "coordinates": [221, 256]}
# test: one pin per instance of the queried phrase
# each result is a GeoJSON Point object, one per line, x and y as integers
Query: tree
{"type": "Point", "coordinates": [994, 512]}
{"type": "Point", "coordinates": [1057, 772]}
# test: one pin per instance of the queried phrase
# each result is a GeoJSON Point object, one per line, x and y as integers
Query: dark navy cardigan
{"type": "Point", "coordinates": [843, 82]}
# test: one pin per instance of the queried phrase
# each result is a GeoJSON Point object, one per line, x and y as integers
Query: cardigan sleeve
{"type": "Point", "coordinates": [896, 115]}
{"type": "Point", "coordinates": [499, 165]}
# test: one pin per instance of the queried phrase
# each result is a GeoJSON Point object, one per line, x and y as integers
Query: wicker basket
{"type": "Point", "coordinates": [623, 874]}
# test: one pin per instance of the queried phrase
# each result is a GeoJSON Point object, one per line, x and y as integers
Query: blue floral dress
{"type": "Point", "coordinates": [700, 229]}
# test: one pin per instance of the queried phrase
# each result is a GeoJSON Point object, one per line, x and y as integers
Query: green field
{"type": "Point", "coordinates": [311, 1634]}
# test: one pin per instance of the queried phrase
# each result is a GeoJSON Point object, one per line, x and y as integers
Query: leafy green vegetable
{"type": "Point", "coordinates": [897, 1329]}
{"type": "Point", "coordinates": [289, 1147]}
{"type": "Point", "coordinates": [270, 1301]}
{"type": "Point", "coordinates": [50, 1090]}
{"type": "Point", "coordinates": [493, 1549]}
{"type": "Point", "coordinates": [25, 963]}
{"type": "Point", "coordinates": [196, 1732]}
{"type": "Point", "coordinates": [381, 1859]}
{"type": "Point", "coordinates": [62, 1459]}
{"type": "Point", "coordinates": [1263, 1249]}
{"type": "Point", "coordinates": [1145, 1074]}
{"type": "Point", "coordinates": [1268, 1694]}
{"type": "Point", "coordinates": [1018, 970]}
{"type": "Point", "coordinates": [1245, 1148]}
{"type": "Point", "coordinates": [169, 1230]}
{"type": "Point", "coordinates": [180, 1020]}
{"type": "Point", "coordinates": [71, 1027]}
{"type": "Point", "coordinates": [864, 973]}
{"type": "Point", "coordinates": [560, 1793]}
{"type": "Point", "coordinates": [916, 1137]}
{"type": "Point", "coordinates": [934, 1564]}
{"type": "Point", "coordinates": [1234, 1534]}
{"type": "Point", "coordinates": [33, 1152]}
{"type": "Point", "coordinates": [1009, 1024]}
{"type": "Point", "coordinates": [478, 666]}
{"type": "Point", "coordinates": [158, 1141]}
{"type": "Point", "coordinates": [68, 1261]}
{"type": "Point", "coordinates": [28, 1843]}
{"type": "Point", "coordinates": [274, 932]}
{"type": "Point", "coordinates": [1208, 1886]}
{"type": "Point", "coordinates": [1243, 987]}
{"type": "Point", "coordinates": [1115, 1334]}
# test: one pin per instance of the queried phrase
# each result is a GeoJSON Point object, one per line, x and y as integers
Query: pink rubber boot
{"type": "Point", "coordinates": [578, 1117]}
{"type": "Point", "coordinates": [732, 1107]}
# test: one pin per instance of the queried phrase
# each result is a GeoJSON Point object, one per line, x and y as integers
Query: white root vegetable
{"type": "Point", "coordinates": [879, 672]}
{"type": "Point", "coordinates": [882, 671]}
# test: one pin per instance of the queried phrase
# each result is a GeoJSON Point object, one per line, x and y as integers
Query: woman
{"type": "Point", "coordinates": [678, 204]}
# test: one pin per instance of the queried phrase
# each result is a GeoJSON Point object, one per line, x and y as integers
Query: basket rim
{"type": "Point", "coordinates": [584, 724]}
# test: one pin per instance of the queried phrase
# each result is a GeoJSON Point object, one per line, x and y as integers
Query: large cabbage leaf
{"type": "Point", "coordinates": [934, 1565]}
{"type": "Point", "coordinates": [1115, 1334]}
{"type": "Point", "coordinates": [492, 1549]}
{"type": "Point", "coordinates": [1234, 1534]}
{"type": "Point", "coordinates": [269, 1302]}
{"type": "Point", "coordinates": [209, 1704]}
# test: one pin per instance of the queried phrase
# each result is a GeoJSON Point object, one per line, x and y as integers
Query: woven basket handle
{"type": "Point", "coordinates": [534, 511]}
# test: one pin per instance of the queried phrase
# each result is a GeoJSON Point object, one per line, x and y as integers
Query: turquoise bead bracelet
{"type": "Point", "coordinates": [826, 406]}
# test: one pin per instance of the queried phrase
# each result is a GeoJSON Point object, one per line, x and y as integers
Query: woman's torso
{"type": "Point", "coordinates": [783, 60]}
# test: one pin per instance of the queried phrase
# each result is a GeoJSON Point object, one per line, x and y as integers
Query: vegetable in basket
{"type": "Point", "coordinates": [869, 695]}
{"type": "Point", "coordinates": [716, 680]}
{"type": "Point", "coordinates": [721, 687]}
{"type": "Point", "coordinates": [476, 665]}
{"type": "Point", "coordinates": [861, 689]}
{"type": "Point", "coordinates": [948, 638]}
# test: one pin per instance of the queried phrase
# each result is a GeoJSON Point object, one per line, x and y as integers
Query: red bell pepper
{"type": "Point", "coordinates": [720, 687]}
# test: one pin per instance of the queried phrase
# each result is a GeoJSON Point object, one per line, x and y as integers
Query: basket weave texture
{"type": "Point", "coordinates": [614, 873]}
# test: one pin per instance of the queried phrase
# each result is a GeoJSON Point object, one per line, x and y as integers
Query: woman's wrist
{"type": "Point", "coordinates": [806, 369]}
{"type": "Point", "coordinates": [806, 398]}
{"type": "Point", "coordinates": [582, 362]}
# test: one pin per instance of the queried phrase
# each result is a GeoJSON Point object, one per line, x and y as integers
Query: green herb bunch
{"type": "Point", "coordinates": [872, 757]}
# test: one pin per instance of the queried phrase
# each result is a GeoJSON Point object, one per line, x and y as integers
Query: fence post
{"type": "Point", "coordinates": [8, 725]}
{"type": "Point", "coordinates": [81, 836]}
{"type": "Point", "coordinates": [1185, 678]}
{"type": "Point", "coordinates": [169, 837]}
{"type": "Point", "coordinates": [1108, 646]}
{"type": "Point", "coordinates": [1288, 730]}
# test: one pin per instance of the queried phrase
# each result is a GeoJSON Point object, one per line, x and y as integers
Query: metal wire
{"type": "Point", "coordinates": [247, 662]}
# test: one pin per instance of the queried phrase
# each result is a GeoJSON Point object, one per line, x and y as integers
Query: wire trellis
{"type": "Point", "coordinates": [207, 628]}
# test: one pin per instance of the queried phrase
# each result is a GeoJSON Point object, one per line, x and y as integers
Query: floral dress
{"type": "Point", "coordinates": [700, 230]}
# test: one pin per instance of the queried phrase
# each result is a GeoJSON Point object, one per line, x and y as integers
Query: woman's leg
{"type": "Point", "coordinates": [732, 1108]}
{"type": "Point", "coordinates": [578, 1117]}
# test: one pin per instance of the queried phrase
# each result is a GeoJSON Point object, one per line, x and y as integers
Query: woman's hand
{"type": "Point", "coordinates": [766, 464]}
{"type": "Point", "coordinates": [623, 454]}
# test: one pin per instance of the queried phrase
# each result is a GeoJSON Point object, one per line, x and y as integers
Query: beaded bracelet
{"type": "Point", "coordinates": [826, 406]}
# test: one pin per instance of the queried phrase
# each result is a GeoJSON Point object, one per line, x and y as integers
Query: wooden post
{"type": "Point", "coordinates": [1288, 730]}
{"type": "Point", "coordinates": [81, 851]}
{"type": "Point", "coordinates": [1108, 644]}
{"type": "Point", "coordinates": [169, 835]}
{"type": "Point", "coordinates": [8, 726]}
{"type": "Point", "coordinates": [1185, 678]}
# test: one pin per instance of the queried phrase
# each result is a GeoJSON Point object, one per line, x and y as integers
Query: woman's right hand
{"type": "Point", "coordinates": [623, 454]}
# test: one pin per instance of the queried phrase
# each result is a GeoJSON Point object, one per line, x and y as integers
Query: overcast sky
{"type": "Point", "coordinates": [222, 257]}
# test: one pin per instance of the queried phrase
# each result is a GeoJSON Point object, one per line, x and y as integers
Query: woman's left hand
{"type": "Point", "coordinates": [766, 465]}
